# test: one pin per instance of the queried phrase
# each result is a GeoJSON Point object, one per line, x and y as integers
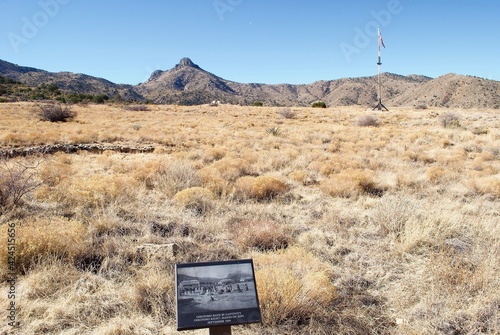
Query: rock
{"type": "Point", "coordinates": [457, 245]}
{"type": "Point", "coordinates": [186, 62]}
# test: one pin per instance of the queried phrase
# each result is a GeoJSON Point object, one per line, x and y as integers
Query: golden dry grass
{"type": "Point", "coordinates": [353, 230]}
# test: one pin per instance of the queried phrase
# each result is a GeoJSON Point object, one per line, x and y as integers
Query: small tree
{"type": "Point", "coordinates": [100, 99]}
{"type": "Point", "coordinates": [55, 112]}
{"type": "Point", "coordinates": [319, 104]}
{"type": "Point", "coordinates": [258, 103]}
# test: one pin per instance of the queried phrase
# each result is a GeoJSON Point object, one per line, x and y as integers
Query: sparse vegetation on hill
{"type": "Point", "coordinates": [353, 230]}
{"type": "Point", "coordinates": [188, 84]}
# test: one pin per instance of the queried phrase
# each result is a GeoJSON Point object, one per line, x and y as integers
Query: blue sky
{"type": "Point", "coordinates": [262, 41]}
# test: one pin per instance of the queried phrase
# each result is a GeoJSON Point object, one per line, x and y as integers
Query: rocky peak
{"type": "Point", "coordinates": [186, 62]}
{"type": "Point", "coordinates": [155, 75]}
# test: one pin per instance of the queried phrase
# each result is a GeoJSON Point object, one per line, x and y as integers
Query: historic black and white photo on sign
{"type": "Point", "coordinates": [212, 294]}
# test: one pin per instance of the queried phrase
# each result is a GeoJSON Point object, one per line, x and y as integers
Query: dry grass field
{"type": "Point", "coordinates": [358, 221]}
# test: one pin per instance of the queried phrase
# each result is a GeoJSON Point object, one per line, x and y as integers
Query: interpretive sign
{"type": "Point", "coordinates": [216, 294]}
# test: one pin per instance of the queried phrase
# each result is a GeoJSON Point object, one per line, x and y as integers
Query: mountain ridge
{"type": "Point", "coordinates": [189, 84]}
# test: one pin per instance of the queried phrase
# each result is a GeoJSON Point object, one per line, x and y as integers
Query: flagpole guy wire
{"type": "Point", "coordinates": [380, 105]}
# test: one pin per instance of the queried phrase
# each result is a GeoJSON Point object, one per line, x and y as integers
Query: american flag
{"type": "Point", "coordinates": [380, 38]}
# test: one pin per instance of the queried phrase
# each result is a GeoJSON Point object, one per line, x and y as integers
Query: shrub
{"type": "Point", "coordinates": [287, 113]}
{"type": "Point", "coordinates": [392, 214]}
{"type": "Point", "coordinates": [261, 235]}
{"type": "Point", "coordinates": [136, 108]}
{"type": "Point", "coordinates": [258, 104]}
{"type": "Point", "coordinates": [197, 199]}
{"type": "Point", "coordinates": [319, 104]}
{"type": "Point", "coordinates": [351, 183]}
{"type": "Point", "coordinates": [16, 181]}
{"type": "Point", "coordinates": [480, 130]}
{"type": "Point", "coordinates": [100, 98]}
{"type": "Point", "coordinates": [174, 176]}
{"type": "Point", "coordinates": [259, 188]}
{"type": "Point", "coordinates": [155, 295]}
{"type": "Point", "coordinates": [367, 121]}
{"type": "Point", "coordinates": [274, 131]}
{"type": "Point", "coordinates": [98, 190]}
{"type": "Point", "coordinates": [214, 154]}
{"type": "Point", "coordinates": [232, 168]}
{"type": "Point", "coordinates": [293, 285]}
{"type": "Point", "coordinates": [450, 120]}
{"type": "Point", "coordinates": [56, 112]}
{"type": "Point", "coordinates": [41, 240]}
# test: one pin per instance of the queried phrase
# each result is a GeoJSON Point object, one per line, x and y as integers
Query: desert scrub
{"type": "Point", "coordinates": [18, 178]}
{"type": "Point", "coordinates": [392, 213]}
{"type": "Point", "coordinates": [351, 183]}
{"type": "Point", "coordinates": [489, 185]}
{"type": "Point", "coordinates": [220, 175]}
{"type": "Point", "coordinates": [173, 176]}
{"type": "Point", "coordinates": [367, 121]}
{"type": "Point", "coordinates": [232, 168]}
{"type": "Point", "coordinates": [260, 235]}
{"type": "Point", "coordinates": [259, 188]}
{"type": "Point", "coordinates": [293, 285]}
{"type": "Point", "coordinates": [214, 154]}
{"type": "Point", "coordinates": [154, 294]}
{"type": "Point", "coordinates": [197, 199]}
{"type": "Point", "coordinates": [55, 112]}
{"type": "Point", "coordinates": [42, 240]}
{"type": "Point", "coordinates": [450, 120]}
{"type": "Point", "coordinates": [287, 113]}
{"type": "Point", "coordinates": [99, 190]}
{"type": "Point", "coordinates": [57, 169]}
{"type": "Point", "coordinates": [303, 177]}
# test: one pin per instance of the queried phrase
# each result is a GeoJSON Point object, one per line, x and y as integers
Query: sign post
{"type": "Point", "coordinates": [222, 330]}
{"type": "Point", "coordinates": [216, 295]}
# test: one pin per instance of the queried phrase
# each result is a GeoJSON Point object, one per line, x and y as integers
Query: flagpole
{"type": "Point", "coordinates": [379, 63]}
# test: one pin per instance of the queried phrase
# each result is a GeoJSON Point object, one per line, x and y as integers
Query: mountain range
{"type": "Point", "coordinates": [188, 84]}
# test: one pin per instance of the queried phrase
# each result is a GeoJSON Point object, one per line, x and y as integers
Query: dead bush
{"type": "Point", "coordinates": [53, 112]}
{"type": "Point", "coordinates": [42, 240]}
{"type": "Point", "coordinates": [351, 183]}
{"type": "Point", "coordinates": [261, 235]}
{"type": "Point", "coordinates": [155, 295]}
{"type": "Point", "coordinates": [368, 121]}
{"type": "Point", "coordinates": [17, 179]}
{"type": "Point", "coordinates": [259, 188]}
{"type": "Point", "coordinates": [197, 199]}
{"type": "Point", "coordinates": [450, 120]}
{"type": "Point", "coordinates": [287, 113]}
{"type": "Point", "coordinates": [293, 285]}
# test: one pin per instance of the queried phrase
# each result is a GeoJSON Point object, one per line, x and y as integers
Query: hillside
{"type": "Point", "coordinates": [68, 81]}
{"type": "Point", "coordinates": [189, 84]}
